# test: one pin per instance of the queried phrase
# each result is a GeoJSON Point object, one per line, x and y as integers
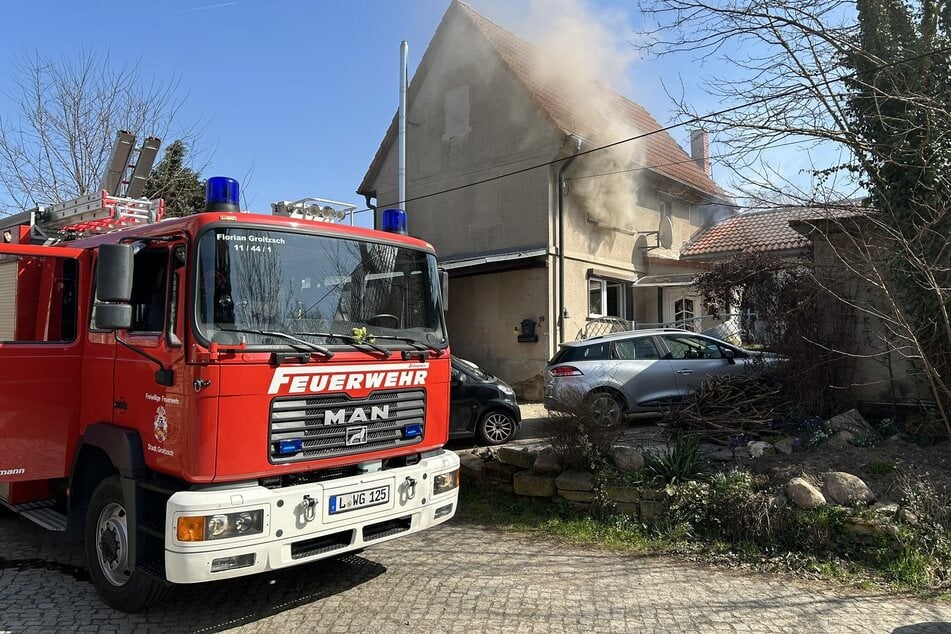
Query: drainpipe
{"type": "Point", "coordinates": [561, 236]}
{"type": "Point", "coordinates": [370, 206]}
{"type": "Point", "coordinates": [401, 134]}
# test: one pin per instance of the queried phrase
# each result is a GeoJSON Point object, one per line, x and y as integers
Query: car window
{"type": "Point", "coordinates": [471, 368]}
{"type": "Point", "coordinates": [638, 348]}
{"type": "Point", "coordinates": [687, 347]}
{"type": "Point", "coordinates": [594, 352]}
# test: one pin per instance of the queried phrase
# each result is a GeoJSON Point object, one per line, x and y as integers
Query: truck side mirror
{"type": "Point", "coordinates": [444, 288]}
{"type": "Point", "coordinates": [113, 287]}
{"type": "Point", "coordinates": [114, 273]}
{"type": "Point", "coordinates": [112, 316]}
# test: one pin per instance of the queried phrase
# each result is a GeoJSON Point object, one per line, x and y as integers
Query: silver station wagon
{"type": "Point", "coordinates": [639, 371]}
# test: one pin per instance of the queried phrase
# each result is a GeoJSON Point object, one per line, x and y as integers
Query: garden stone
{"type": "Point", "coordinates": [622, 494]}
{"type": "Point", "coordinates": [786, 445]}
{"type": "Point", "coordinates": [850, 421]}
{"type": "Point", "coordinates": [653, 494]}
{"type": "Point", "coordinates": [628, 458]}
{"type": "Point", "coordinates": [575, 481]}
{"type": "Point", "coordinates": [533, 485]}
{"type": "Point", "coordinates": [652, 511]}
{"type": "Point", "coordinates": [577, 496]}
{"type": "Point", "coordinates": [908, 516]}
{"type": "Point", "coordinates": [846, 489]}
{"type": "Point", "coordinates": [759, 447]}
{"type": "Point", "coordinates": [627, 508]}
{"type": "Point", "coordinates": [471, 466]}
{"type": "Point", "coordinates": [840, 439]}
{"type": "Point", "coordinates": [498, 472]}
{"type": "Point", "coordinates": [721, 455]}
{"type": "Point", "coordinates": [517, 457]}
{"type": "Point", "coordinates": [885, 508]}
{"type": "Point", "coordinates": [804, 495]}
{"type": "Point", "coordinates": [863, 530]}
{"type": "Point", "coordinates": [547, 463]}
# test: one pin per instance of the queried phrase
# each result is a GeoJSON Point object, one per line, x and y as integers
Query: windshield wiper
{"type": "Point", "coordinates": [352, 340]}
{"type": "Point", "coordinates": [300, 343]}
{"type": "Point", "coordinates": [416, 343]}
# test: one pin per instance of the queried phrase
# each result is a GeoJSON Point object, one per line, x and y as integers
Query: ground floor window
{"type": "Point", "coordinates": [607, 298]}
{"type": "Point", "coordinates": [684, 313]}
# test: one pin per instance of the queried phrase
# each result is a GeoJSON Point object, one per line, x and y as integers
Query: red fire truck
{"type": "Point", "coordinates": [219, 395]}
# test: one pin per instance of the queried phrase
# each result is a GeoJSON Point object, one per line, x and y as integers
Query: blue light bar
{"type": "Point", "coordinates": [222, 194]}
{"type": "Point", "coordinates": [413, 431]}
{"type": "Point", "coordinates": [394, 221]}
{"type": "Point", "coordinates": [293, 445]}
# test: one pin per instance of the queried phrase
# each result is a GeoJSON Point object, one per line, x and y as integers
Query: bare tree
{"type": "Point", "coordinates": [66, 114]}
{"type": "Point", "coordinates": [866, 80]}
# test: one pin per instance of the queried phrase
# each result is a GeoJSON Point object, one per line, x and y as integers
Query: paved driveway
{"type": "Point", "coordinates": [455, 578]}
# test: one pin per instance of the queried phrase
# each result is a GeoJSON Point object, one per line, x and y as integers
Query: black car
{"type": "Point", "coordinates": [481, 405]}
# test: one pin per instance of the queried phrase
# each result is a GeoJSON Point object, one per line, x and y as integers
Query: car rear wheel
{"type": "Point", "coordinates": [606, 409]}
{"type": "Point", "coordinates": [496, 428]}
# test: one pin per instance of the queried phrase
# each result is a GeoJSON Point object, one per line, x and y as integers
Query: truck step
{"type": "Point", "coordinates": [43, 513]}
{"type": "Point", "coordinates": [161, 485]}
{"type": "Point", "coordinates": [155, 529]}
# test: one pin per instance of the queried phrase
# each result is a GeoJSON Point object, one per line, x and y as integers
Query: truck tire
{"type": "Point", "coordinates": [107, 553]}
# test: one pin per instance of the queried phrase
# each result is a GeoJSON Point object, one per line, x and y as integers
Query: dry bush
{"type": "Point", "coordinates": [577, 440]}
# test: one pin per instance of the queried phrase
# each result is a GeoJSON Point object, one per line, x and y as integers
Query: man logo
{"type": "Point", "coordinates": [356, 436]}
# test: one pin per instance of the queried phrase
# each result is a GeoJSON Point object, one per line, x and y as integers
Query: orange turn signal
{"type": "Point", "coordinates": [191, 529]}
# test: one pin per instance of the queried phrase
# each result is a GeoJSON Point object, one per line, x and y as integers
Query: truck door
{"type": "Point", "coordinates": [141, 400]}
{"type": "Point", "coordinates": [40, 356]}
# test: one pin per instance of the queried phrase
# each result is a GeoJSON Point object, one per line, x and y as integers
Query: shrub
{"type": "Point", "coordinates": [577, 440]}
{"type": "Point", "coordinates": [681, 462]}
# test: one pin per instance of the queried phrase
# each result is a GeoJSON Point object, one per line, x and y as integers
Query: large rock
{"type": "Point", "coordinates": [622, 494]}
{"type": "Point", "coordinates": [758, 448]}
{"type": "Point", "coordinates": [471, 466]}
{"type": "Point", "coordinates": [534, 485]}
{"type": "Point", "coordinates": [627, 508]}
{"type": "Point", "coordinates": [577, 496]}
{"type": "Point", "coordinates": [846, 489]}
{"type": "Point", "coordinates": [803, 494]}
{"type": "Point", "coordinates": [516, 456]}
{"type": "Point", "coordinates": [499, 472]}
{"type": "Point", "coordinates": [850, 421]}
{"type": "Point", "coordinates": [575, 481]}
{"type": "Point", "coordinates": [547, 463]}
{"type": "Point", "coordinates": [652, 511]}
{"type": "Point", "coordinates": [787, 445]}
{"type": "Point", "coordinates": [721, 455]}
{"type": "Point", "coordinates": [840, 439]}
{"type": "Point", "coordinates": [628, 458]}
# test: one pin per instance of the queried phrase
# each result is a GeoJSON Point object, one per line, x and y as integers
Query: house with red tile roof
{"type": "Point", "coordinates": [543, 229]}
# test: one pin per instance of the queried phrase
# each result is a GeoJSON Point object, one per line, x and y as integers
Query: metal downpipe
{"type": "Point", "coordinates": [561, 237]}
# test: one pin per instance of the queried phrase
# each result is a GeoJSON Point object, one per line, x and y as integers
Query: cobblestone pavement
{"type": "Point", "coordinates": [455, 578]}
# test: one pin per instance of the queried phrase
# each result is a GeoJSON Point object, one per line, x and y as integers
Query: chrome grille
{"type": "Point", "coordinates": [303, 417]}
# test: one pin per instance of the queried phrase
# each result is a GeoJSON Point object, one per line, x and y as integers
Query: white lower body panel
{"type": "Point", "coordinates": [306, 522]}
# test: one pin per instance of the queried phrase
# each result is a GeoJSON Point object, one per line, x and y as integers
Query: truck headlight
{"type": "Point", "coordinates": [445, 482]}
{"type": "Point", "coordinates": [198, 528]}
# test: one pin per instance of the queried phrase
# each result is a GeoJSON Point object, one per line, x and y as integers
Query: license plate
{"type": "Point", "coordinates": [359, 499]}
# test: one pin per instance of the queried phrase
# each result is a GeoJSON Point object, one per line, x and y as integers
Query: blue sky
{"type": "Point", "coordinates": [296, 93]}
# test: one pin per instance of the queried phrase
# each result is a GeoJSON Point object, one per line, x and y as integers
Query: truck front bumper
{"type": "Point", "coordinates": [308, 522]}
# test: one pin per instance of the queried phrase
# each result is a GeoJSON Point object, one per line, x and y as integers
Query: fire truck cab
{"type": "Point", "coordinates": [222, 394]}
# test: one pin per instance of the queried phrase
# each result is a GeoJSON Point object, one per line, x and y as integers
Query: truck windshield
{"type": "Point", "coordinates": [295, 283]}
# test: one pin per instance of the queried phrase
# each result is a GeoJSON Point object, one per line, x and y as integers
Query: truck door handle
{"type": "Point", "coordinates": [120, 405]}
{"type": "Point", "coordinates": [684, 371]}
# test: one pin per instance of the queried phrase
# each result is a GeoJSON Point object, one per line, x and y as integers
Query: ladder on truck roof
{"type": "Point", "coordinates": [116, 206]}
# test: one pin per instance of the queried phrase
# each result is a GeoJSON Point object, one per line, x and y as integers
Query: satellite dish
{"type": "Point", "coordinates": [640, 250]}
{"type": "Point", "coordinates": [665, 233]}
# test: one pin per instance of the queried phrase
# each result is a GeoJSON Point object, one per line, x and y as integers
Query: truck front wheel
{"type": "Point", "coordinates": [107, 552]}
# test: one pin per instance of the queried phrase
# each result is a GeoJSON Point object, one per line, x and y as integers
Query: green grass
{"type": "Point", "coordinates": [564, 523]}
